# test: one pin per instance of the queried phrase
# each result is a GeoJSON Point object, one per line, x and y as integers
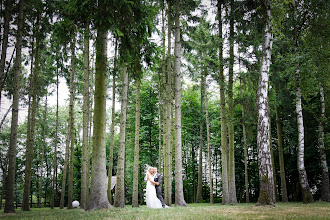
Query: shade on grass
{"type": "Point", "coordinates": [193, 211]}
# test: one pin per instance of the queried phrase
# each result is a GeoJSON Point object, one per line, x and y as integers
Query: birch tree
{"type": "Point", "coordinates": [267, 194]}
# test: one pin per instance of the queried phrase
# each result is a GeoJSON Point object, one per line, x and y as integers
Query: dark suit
{"type": "Point", "coordinates": [158, 179]}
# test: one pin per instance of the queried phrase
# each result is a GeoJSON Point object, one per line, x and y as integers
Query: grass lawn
{"type": "Point", "coordinates": [318, 210]}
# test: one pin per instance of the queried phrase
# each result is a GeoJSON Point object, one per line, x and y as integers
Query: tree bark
{"type": "Point", "coordinates": [55, 148]}
{"type": "Point", "coordinates": [305, 189]}
{"type": "Point", "coordinates": [120, 184]}
{"type": "Point", "coordinates": [72, 133]}
{"type": "Point", "coordinates": [10, 180]}
{"type": "Point", "coordinates": [98, 194]}
{"type": "Point", "coordinates": [224, 143]}
{"type": "Point", "coordinates": [85, 152]}
{"type": "Point", "coordinates": [7, 17]}
{"type": "Point", "coordinates": [325, 194]}
{"type": "Point", "coordinates": [246, 176]}
{"type": "Point", "coordinates": [42, 153]}
{"type": "Point", "coordinates": [208, 143]}
{"type": "Point", "coordinates": [135, 197]}
{"type": "Point", "coordinates": [267, 194]}
{"type": "Point", "coordinates": [168, 154]}
{"type": "Point", "coordinates": [112, 128]}
{"type": "Point", "coordinates": [31, 134]}
{"type": "Point", "coordinates": [200, 160]}
{"type": "Point", "coordinates": [5, 116]}
{"type": "Point", "coordinates": [231, 148]}
{"type": "Point", "coordinates": [179, 196]}
{"type": "Point", "coordinates": [272, 158]}
{"type": "Point", "coordinates": [280, 153]}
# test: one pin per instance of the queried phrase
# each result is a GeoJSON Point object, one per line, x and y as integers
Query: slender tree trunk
{"type": "Point", "coordinates": [5, 116]}
{"type": "Point", "coordinates": [98, 195]}
{"type": "Point", "coordinates": [224, 143]}
{"type": "Point", "coordinates": [201, 131]}
{"type": "Point", "coordinates": [135, 197]}
{"type": "Point", "coordinates": [179, 196]}
{"type": "Point", "coordinates": [168, 169]}
{"type": "Point", "coordinates": [272, 158]}
{"type": "Point", "coordinates": [31, 135]}
{"type": "Point", "coordinates": [325, 194]}
{"type": "Point", "coordinates": [246, 176]}
{"type": "Point", "coordinates": [208, 143]}
{"type": "Point", "coordinates": [10, 179]}
{"type": "Point", "coordinates": [66, 160]}
{"type": "Point", "coordinates": [72, 133]}
{"type": "Point", "coordinates": [120, 184]}
{"type": "Point", "coordinates": [231, 148]}
{"type": "Point", "coordinates": [267, 194]}
{"type": "Point", "coordinates": [7, 17]}
{"type": "Point", "coordinates": [112, 129]}
{"type": "Point", "coordinates": [42, 154]}
{"type": "Point", "coordinates": [85, 152]}
{"type": "Point", "coordinates": [55, 148]}
{"type": "Point", "coordinates": [280, 153]}
{"type": "Point", "coordinates": [305, 189]}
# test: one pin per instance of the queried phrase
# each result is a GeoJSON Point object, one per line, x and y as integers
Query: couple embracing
{"type": "Point", "coordinates": [154, 197]}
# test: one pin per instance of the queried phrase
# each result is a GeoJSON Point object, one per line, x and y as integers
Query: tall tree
{"type": "Point", "coordinates": [305, 189]}
{"type": "Point", "coordinates": [10, 180]}
{"type": "Point", "coordinates": [325, 188]}
{"type": "Point", "coordinates": [71, 113]}
{"type": "Point", "coordinates": [7, 18]}
{"type": "Point", "coordinates": [98, 193]}
{"type": "Point", "coordinates": [31, 128]}
{"type": "Point", "coordinates": [224, 143]}
{"type": "Point", "coordinates": [231, 147]}
{"type": "Point", "coordinates": [42, 153]}
{"type": "Point", "coordinates": [120, 183]}
{"type": "Point", "coordinates": [112, 128]}
{"type": "Point", "coordinates": [267, 194]}
{"type": "Point", "coordinates": [280, 151]}
{"type": "Point", "coordinates": [135, 197]}
{"type": "Point", "coordinates": [179, 197]}
{"type": "Point", "coordinates": [85, 148]}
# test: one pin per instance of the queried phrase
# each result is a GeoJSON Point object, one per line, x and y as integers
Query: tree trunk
{"type": "Point", "coordinates": [246, 176]}
{"type": "Point", "coordinates": [66, 160]}
{"type": "Point", "coordinates": [267, 194]}
{"type": "Point", "coordinates": [5, 116]}
{"type": "Point", "coordinates": [135, 197]}
{"type": "Point", "coordinates": [224, 143]}
{"type": "Point", "coordinates": [98, 195]}
{"type": "Point", "coordinates": [325, 194]}
{"type": "Point", "coordinates": [208, 143]}
{"type": "Point", "coordinates": [72, 133]}
{"type": "Point", "coordinates": [42, 153]}
{"type": "Point", "coordinates": [231, 148]}
{"type": "Point", "coordinates": [179, 196]}
{"type": "Point", "coordinates": [305, 189]}
{"type": "Point", "coordinates": [168, 169]}
{"type": "Point", "coordinates": [85, 152]}
{"type": "Point", "coordinates": [10, 180]}
{"type": "Point", "coordinates": [272, 158]}
{"type": "Point", "coordinates": [280, 153]}
{"type": "Point", "coordinates": [200, 160]}
{"type": "Point", "coordinates": [7, 17]}
{"type": "Point", "coordinates": [31, 134]}
{"type": "Point", "coordinates": [55, 148]}
{"type": "Point", "coordinates": [120, 184]}
{"type": "Point", "coordinates": [112, 129]}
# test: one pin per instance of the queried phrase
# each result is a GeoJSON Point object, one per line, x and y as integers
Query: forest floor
{"type": "Point", "coordinates": [317, 210]}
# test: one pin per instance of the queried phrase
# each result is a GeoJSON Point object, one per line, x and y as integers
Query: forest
{"type": "Point", "coordinates": [229, 99]}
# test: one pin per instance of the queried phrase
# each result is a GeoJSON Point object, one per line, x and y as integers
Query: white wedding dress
{"type": "Point", "coordinates": [151, 197]}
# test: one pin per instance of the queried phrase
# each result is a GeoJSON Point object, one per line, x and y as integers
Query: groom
{"type": "Point", "coordinates": [158, 179]}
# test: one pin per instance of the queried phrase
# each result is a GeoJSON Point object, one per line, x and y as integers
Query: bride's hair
{"type": "Point", "coordinates": [147, 170]}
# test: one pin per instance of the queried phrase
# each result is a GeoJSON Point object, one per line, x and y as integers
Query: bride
{"type": "Point", "coordinates": [151, 197]}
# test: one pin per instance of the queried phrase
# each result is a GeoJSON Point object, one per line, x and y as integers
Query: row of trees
{"type": "Point", "coordinates": [230, 152]}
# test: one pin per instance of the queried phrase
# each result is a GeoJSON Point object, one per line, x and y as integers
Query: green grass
{"type": "Point", "coordinates": [318, 210]}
